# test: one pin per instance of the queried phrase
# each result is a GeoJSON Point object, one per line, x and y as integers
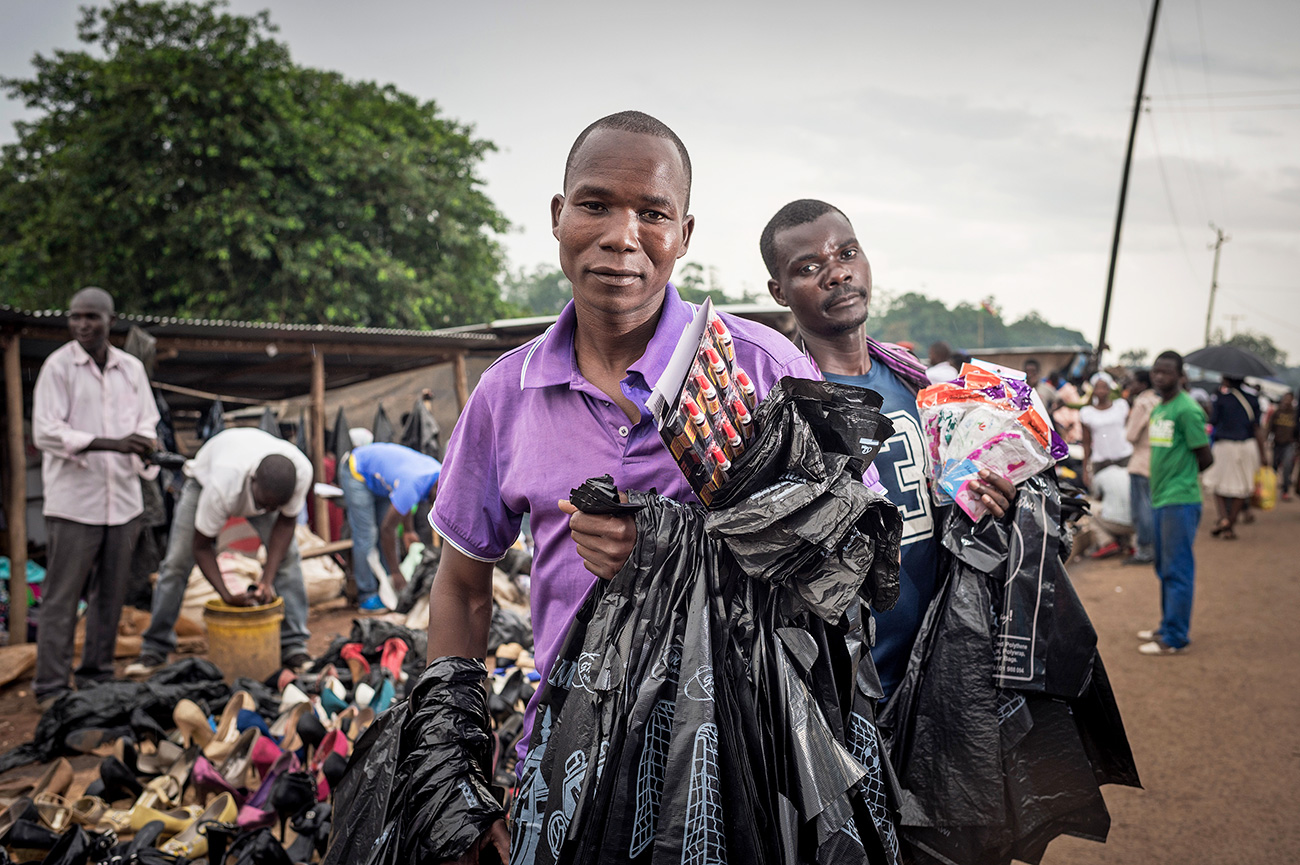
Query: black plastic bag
{"type": "Point", "coordinates": [144, 706]}
{"type": "Point", "coordinates": [697, 715]}
{"type": "Point", "coordinates": [508, 627]}
{"type": "Point", "coordinates": [421, 432]}
{"type": "Point", "coordinates": [416, 788]}
{"type": "Point", "coordinates": [372, 634]}
{"type": "Point", "coordinates": [989, 772]}
{"type": "Point", "coordinates": [421, 580]}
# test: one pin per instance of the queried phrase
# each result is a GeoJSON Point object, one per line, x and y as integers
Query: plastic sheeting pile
{"type": "Point", "coordinates": [1005, 724]}
{"type": "Point", "coordinates": [714, 702]}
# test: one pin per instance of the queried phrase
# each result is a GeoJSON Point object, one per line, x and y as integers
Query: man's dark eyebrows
{"type": "Point", "coordinates": [660, 202]}
{"type": "Point", "coordinates": [588, 190]}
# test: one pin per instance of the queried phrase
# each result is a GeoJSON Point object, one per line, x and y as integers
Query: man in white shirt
{"type": "Point", "coordinates": [242, 472]}
{"type": "Point", "coordinates": [93, 418]}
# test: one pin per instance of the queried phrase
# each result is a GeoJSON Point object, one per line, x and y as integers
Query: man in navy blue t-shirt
{"type": "Point", "coordinates": [819, 271]}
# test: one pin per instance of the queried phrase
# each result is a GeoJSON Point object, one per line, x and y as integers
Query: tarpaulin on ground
{"type": "Point", "coordinates": [146, 707]}
{"type": "Point", "coordinates": [1004, 724]}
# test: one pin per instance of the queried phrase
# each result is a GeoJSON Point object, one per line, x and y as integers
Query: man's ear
{"type": "Point", "coordinates": [774, 288]}
{"type": "Point", "coordinates": [688, 228]}
{"type": "Point", "coordinates": [557, 204]}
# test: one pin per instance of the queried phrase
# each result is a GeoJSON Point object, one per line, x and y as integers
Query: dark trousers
{"type": "Point", "coordinates": [87, 561]}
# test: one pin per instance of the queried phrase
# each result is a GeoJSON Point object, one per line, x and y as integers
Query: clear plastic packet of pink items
{"type": "Point", "coordinates": [983, 420]}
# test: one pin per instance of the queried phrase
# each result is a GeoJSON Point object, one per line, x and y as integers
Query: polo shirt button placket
{"type": "Point", "coordinates": [623, 431]}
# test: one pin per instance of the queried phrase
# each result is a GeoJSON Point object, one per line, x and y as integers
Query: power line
{"type": "Point", "coordinates": [1214, 127]}
{"type": "Point", "coordinates": [1229, 94]}
{"type": "Point", "coordinates": [1169, 199]}
{"type": "Point", "coordinates": [1221, 109]}
{"type": "Point", "coordinates": [1182, 133]}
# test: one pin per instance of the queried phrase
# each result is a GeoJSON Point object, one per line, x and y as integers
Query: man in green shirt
{"type": "Point", "coordinates": [1180, 451]}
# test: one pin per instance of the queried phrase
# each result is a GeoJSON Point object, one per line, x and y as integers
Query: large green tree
{"type": "Point", "coordinates": [186, 164]}
{"type": "Point", "coordinates": [921, 320]}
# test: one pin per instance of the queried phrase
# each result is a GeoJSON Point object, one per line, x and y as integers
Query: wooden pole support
{"type": "Point", "coordinates": [322, 526]}
{"type": "Point", "coordinates": [16, 502]}
{"type": "Point", "coordinates": [462, 381]}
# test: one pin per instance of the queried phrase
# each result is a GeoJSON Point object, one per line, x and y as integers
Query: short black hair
{"type": "Point", "coordinates": [277, 477]}
{"type": "Point", "coordinates": [640, 123]}
{"type": "Point", "coordinates": [1142, 377]}
{"type": "Point", "coordinates": [796, 213]}
{"type": "Point", "coordinates": [1034, 361]}
{"type": "Point", "coordinates": [1171, 355]}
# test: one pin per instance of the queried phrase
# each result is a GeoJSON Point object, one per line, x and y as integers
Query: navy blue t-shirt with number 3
{"type": "Point", "coordinates": [901, 463]}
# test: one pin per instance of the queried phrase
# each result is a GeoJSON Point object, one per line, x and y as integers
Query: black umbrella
{"type": "Point", "coordinates": [1231, 361]}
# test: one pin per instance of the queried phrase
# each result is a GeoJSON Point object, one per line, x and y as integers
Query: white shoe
{"type": "Point", "coordinates": [1146, 636]}
{"type": "Point", "coordinates": [1155, 647]}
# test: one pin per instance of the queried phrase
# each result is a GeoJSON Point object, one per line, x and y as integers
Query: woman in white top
{"type": "Point", "coordinates": [1104, 441]}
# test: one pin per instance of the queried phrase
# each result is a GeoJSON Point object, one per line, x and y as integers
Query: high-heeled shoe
{"type": "Point", "coordinates": [115, 782]}
{"type": "Point", "coordinates": [192, 723]}
{"type": "Point", "coordinates": [363, 695]}
{"type": "Point", "coordinates": [287, 725]}
{"type": "Point", "coordinates": [157, 762]}
{"type": "Point", "coordinates": [257, 848]}
{"type": "Point", "coordinates": [291, 794]}
{"type": "Point", "coordinates": [249, 719]}
{"type": "Point", "coordinates": [334, 743]}
{"type": "Point", "coordinates": [394, 652]}
{"type": "Point", "coordinates": [54, 811]}
{"type": "Point", "coordinates": [264, 754]}
{"type": "Point", "coordinates": [227, 734]}
{"type": "Point", "coordinates": [383, 695]}
{"type": "Point", "coordinates": [256, 811]}
{"type": "Point", "coordinates": [356, 661]}
{"type": "Point", "coordinates": [174, 820]}
{"type": "Point", "coordinates": [167, 790]}
{"type": "Point", "coordinates": [230, 775]}
{"type": "Point", "coordinates": [333, 770]}
{"type": "Point", "coordinates": [87, 811]}
{"type": "Point", "coordinates": [193, 842]}
{"type": "Point", "coordinates": [99, 741]}
{"type": "Point", "coordinates": [56, 779]}
{"type": "Point", "coordinates": [310, 730]}
{"type": "Point", "coordinates": [313, 830]}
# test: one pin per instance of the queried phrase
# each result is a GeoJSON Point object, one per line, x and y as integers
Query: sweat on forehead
{"type": "Point", "coordinates": [637, 122]}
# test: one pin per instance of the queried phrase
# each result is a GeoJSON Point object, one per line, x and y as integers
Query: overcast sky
{"type": "Point", "coordinates": [977, 147]}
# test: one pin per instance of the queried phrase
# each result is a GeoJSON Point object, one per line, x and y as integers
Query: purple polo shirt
{"type": "Point", "coordinates": [534, 429]}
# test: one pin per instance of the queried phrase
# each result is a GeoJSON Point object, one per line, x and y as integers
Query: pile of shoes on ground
{"type": "Point", "coordinates": [196, 770]}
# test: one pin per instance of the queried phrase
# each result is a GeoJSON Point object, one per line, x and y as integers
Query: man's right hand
{"type": "Point", "coordinates": [243, 599]}
{"type": "Point", "coordinates": [141, 446]}
{"type": "Point", "coordinates": [495, 840]}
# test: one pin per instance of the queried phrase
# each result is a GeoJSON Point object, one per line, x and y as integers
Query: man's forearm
{"type": "Point", "coordinates": [205, 556]}
{"type": "Point", "coordinates": [458, 622]}
{"type": "Point", "coordinates": [276, 547]}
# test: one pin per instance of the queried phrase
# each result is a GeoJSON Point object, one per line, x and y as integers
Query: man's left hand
{"type": "Point", "coordinates": [264, 592]}
{"type": "Point", "coordinates": [604, 541]}
{"type": "Point", "coordinates": [996, 492]}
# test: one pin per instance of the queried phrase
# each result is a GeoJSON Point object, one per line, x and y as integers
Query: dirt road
{"type": "Point", "coordinates": [1215, 730]}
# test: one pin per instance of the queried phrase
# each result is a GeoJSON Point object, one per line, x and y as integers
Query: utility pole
{"type": "Point", "coordinates": [1219, 240]}
{"type": "Point", "coordinates": [1123, 184]}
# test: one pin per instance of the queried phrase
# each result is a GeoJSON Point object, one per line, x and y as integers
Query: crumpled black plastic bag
{"type": "Point", "coordinates": [416, 788]}
{"type": "Point", "coordinates": [991, 772]}
{"type": "Point", "coordinates": [697, 715]}
{"type": "Point", "coordinates": [507, 626]}
{"type": "Point", "coordinates": [795, 511]}
{"type": "Point", "coordinates": [145, 706]}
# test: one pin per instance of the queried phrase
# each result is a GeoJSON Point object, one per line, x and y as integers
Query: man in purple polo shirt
{"type": "Point", "coordinates": [571, 404]}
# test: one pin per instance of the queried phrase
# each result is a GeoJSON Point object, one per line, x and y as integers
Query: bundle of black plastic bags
{"type": "Point", "coordinates": [713, 702]}
{"type": "Point", "coordinates": [1005, 723]}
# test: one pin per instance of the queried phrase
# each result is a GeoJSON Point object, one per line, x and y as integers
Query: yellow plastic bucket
{"type": "Point", "coordinates": [244, 641]}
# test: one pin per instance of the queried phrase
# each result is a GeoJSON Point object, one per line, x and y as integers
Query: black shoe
{"type": "Point", "coordinates": [311, 729]}
{"type": "Point", "coordinates": [313, 828]}
{"type": "Point", "coordinates": [258, 848]}
{"type": "Point", "coordinates": [118, 781]}
{"type": "Point", "coordinates": [1140, 560]}
{"type": "Point", "coordinates": [297, 661]}
{"type": "Point", "coordinates": [291, 794]}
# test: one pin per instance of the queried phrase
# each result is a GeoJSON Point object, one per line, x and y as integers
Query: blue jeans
{"type": "Point", "coordinates": [1139, 487]}
{"type": "Point", "coordinates": [365, 512]}
{"type": "Point", "coordinates": [1176, 566]}
{"type": "Point", "coordinates": [174, 578]}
